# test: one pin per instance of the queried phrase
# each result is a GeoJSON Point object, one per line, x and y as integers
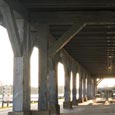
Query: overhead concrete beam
{"type": "Point", "coordinates": [15, 5]}
{"type": "Point", "coordinates": [10, 24]}
{"type": "Point", "coordinates": [70, 17]}
{"type": "Point", "coordinates": [101, 23]}
{"type": "Point", "coordinates": [65, 38]}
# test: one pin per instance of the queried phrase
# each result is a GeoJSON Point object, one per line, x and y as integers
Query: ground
{"type": "Point", "coordinates": [86, 108]}
{"type": "Point", "coordinates": [91, 108]}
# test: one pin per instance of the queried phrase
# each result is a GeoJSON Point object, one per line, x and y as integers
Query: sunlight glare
{"type": "Point", "coordinates": [71, 85]}
{"type": "Point", "coordinates": [34, 67]}
{"type": "Point", "coordinates": [6, 58]}
{"type": "Point", "coordinates": [77, 84]}
{"type": "Point", "coordinates": [60, 74]}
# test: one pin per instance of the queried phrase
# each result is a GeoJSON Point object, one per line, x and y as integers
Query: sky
{"type": "Point", "coordinates": [6, 64]}
{"type": "Point", "coordinates": [6, 58]}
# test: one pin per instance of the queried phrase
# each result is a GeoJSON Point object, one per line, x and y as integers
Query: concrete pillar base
{"type": "Point", "coordinates": [74, 102]}
{"type": "Point", "coordinates": [85, 99]}
{"type": "Point", "coordinates": [40, 112]}
{"type": "Point", "coordinates": [88, 98]}
{"type": "Point", "coordinates": [19, 113]}
{"type": "Point", "coordinates": [81, 100]}
{"type": "Point", "coordinates": [67, 105]}
{"type": "Point", "coordinates": [55, 109]}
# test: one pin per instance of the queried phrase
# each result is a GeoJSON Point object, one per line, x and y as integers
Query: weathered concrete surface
{"type": "Point", "coordinates": [43, 68]}
{"type": "Point", "coordinates": [74, 90]}
{"type": "Point", "coordinates": [21, 89]}
{"type": "Point", "coordinates": [90, 108]}
{"type": "Point", "coordinates": [91, 111]}
{"type": "Point", "coordinates": [52, 88]}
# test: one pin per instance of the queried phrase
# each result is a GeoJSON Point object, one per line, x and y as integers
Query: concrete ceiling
{"type": "Point", "coordinates": [94, 45]}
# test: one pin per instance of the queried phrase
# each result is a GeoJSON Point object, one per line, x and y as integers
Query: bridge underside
{"type": "Point", "coordinates": [80, 34]}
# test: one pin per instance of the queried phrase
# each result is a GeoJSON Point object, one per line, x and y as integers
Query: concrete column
{"type": "Point", "coordinates": [21, 80]}
{"type": "Point", "coordinates": [74, 90]}
{"type": "Point", "coordinates": [77, 87]}
{"type": "Point", "coordinates": [53, 88]}
{"type": "Point", "coordinates": [43, 69]}
{"type": "Point", "coordinates": [21, 86]}
{"type": "Point", "coordinates": [67, 103]}
{"type": "Point", "coordinates": [95, 87]}
{"type": "Point", "coordinates": [91, 87]}
{"type": "Point", "coordinates": [80, 88]}
{"type": "Point", "coordinates": [88, 88]}
{"type": "Point", "coordinates": [84, 88]}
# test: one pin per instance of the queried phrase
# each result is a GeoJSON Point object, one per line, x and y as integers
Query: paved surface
{"type": "Point", "coordinates": [87, 108]}
{"type": "Point", "coordinates": [5, 111]}
{"type": "Point", "coordinates": [90, 108]}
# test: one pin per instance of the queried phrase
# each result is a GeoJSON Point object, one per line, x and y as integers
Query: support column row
{"type": "Point", "coordinates": [74, 90]}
